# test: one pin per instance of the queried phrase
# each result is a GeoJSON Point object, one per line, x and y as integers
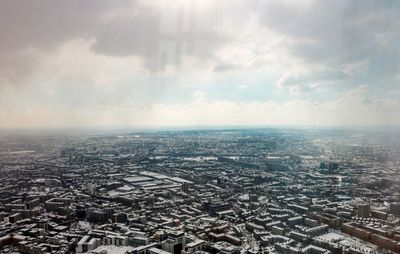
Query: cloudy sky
{"type": "Point", "coordinates": [199, 62]}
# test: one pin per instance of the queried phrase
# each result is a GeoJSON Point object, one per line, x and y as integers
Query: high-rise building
{"type": "Point", "coordinates": [395, 208]}
{"type": "Point", "coordinates": [364, 210]}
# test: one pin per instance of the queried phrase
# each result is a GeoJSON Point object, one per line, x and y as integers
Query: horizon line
{"type": "Point", "coordinates": [197, 127]}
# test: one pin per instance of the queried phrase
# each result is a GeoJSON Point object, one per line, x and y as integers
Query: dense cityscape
{"type": "Point", "coordinates": [200, 191]}
{"type": "Point", "coordinates": [199, 127]}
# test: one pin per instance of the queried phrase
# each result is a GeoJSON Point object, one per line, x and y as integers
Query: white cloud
{"type": "Point", "coordinates": [75, 62]}
{"type": "Point", "coordinates": [199, 94]}
{"type": "Point", "coordinates": [307, 80]}
{"type": "Point", "coordinates": [243, 87]}
{"type": "Point", "coordinates": [347, 109]}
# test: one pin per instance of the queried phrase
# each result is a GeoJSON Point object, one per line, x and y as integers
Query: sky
{"type": "Point", "coordinates": [199, 63]}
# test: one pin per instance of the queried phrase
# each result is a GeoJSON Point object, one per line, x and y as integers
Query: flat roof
{"type": "Point", "coordinates": [180, 180]}
{"type": "Point", "coordinates": [112, 249]}
{"type": "Point", "coordinates": [136, 179]}
{"type": "Point", "coordinates": [158, 251]}
{"type": "Point", "coordinates": [154, 174]}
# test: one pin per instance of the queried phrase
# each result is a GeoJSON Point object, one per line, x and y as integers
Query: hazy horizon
{"type": "Point", "coordinates": [179, 128]}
